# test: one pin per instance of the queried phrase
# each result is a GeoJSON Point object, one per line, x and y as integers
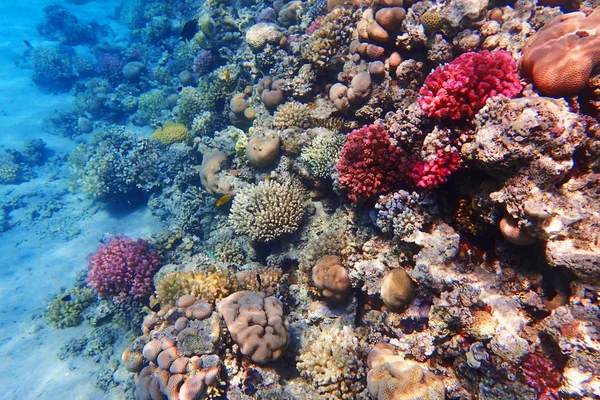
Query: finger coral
{"type": "Point", "coordinates": [257, 324]}
{"type": "Point", "coordinates": [370, 163]}
{"type": "Point", "coordinates": [123, 268]}
{"type": "Point", "coordinates": [268, 210]}
{"type": "Point", "coordinates": [461, 88]}
{"type": "Point", "coordinates": [560, 57]}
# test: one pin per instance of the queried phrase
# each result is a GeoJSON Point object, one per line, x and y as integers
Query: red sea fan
{"type": "Point", "coordinates": [123, 268]}
{"type": "Point", "coordinates": [460, 89]}
{"type": "Point", "coordinates": [370, 163]}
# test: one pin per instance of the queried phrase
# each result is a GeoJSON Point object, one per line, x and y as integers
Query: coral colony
{"type": "Point", "coordinates": [385, 200]}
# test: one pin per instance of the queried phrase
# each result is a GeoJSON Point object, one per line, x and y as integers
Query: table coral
{"type": "Point", "coordinates": [257, 324]}
{"type": "Point", "coordinates": [123, 268]}
{"type": "Point", "coordinates": [459, 89]}
{"type": "Point", "coordinates": [370, 163]}
{"type": "Point", "coordinates": [560, 57]}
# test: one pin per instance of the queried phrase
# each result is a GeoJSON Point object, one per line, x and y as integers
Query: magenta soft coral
{"type": "Point", "coordinates": [123, 268]}
{"type": "Point", "coordinates": [461, 88]}
{"type": "Point", "coordinates": [431, 174]}
{"type": "Point", "coordinates": [370, 163]}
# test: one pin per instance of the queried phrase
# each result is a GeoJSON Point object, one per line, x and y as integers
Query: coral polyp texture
{"type": "Point", "coordinates": [123, 268]}
{"type": "Point", "coordinates": [370, 163]}
{"type": "Point", "coordinates": [461, 88]}
{"type": "Point", "coordinates": [257, 324]}
{"type": "Point", "coordinates": [435, 172]}
{"type": "Point", "coordinates": [268, 210]}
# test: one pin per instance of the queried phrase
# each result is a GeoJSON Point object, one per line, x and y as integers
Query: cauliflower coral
{"type": "Point", "coordinates": [461, 88]}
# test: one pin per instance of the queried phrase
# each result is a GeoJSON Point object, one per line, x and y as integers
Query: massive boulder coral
{"type": "Point", "coordinates": [560, 57]}
{"type": "Point", "coordinates": [176, 357]}
{"type": "Point", "coordinates": [461, 88]}
{"type": "Point", "coordinates": [268, 210]}
{"type": "Point", "coordinates": [370, 163]}
{"type": "Point", "coordinates": [211, 164]}
{"type": "Point", "coordinates": [331, 278]}
{"type": "Point", "coordinates": [257, 324]}
{"type": "Point", "coordinates": [391, 377]}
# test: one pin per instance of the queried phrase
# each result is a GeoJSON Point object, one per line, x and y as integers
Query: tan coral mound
{"type": "Point", "coordinates": [331, 278]}
{"type": "Point", "coordinates": [561, 56]}
{"type": "Point", "coordinates": [393, 378]}
{"type": "Point", "coordinates": [257, 324]}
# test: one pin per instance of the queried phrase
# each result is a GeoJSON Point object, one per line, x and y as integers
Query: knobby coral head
{"type": "Point", "coordinates": [370, 163]}
{"type": "Point", "coordinates": [461, 88]}
{"type": "Point", "coordinates": [123, 268]}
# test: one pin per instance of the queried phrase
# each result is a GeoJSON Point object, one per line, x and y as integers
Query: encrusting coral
{"type": "Point", "coordinates": [257, 324]}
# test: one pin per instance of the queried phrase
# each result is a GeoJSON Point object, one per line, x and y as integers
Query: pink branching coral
{"type": "Point", "coordinates": [431, 174]}
{"type": "Point", "coordinates": [460, 89]}
{"type": "Point", "coordinates": [370, 163]}
{"type": "Point", "coordinates": [123, 268]}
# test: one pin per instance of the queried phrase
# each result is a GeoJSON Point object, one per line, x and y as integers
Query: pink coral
{"type": "Point", "coordinates": [431, 174]}
{"type": "Point", "coordinates": [460, 89]}
{"type": "Point", "coordinates": [370, 163]}
{"type": "Point", "coordinates": [123, 268]}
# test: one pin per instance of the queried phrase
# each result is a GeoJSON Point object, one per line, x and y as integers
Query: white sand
{"type": "Point", "coordinates": [38, 256]}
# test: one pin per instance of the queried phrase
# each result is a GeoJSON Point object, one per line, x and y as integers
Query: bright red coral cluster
{"type": "Point", "coordinates": [370, 163]}
{"type": "Point", "coordinates": [461, 88]}
{"type": "Point", "coordinates": [543, 375]}
{"type": "Point", "coordinates": [123, 268]}
{"type": "Point", "coordinates": [431, 174]}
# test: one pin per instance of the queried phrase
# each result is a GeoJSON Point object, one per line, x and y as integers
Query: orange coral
{"type": "Point", "coordinates": [561, 55]}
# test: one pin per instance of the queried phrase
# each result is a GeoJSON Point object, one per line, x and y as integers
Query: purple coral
{"type": "Point", "coordinates": [203, 62]}
{"type": "Point", "coordinates": [123, 268]}
{"type": "Point", "coordinates": [461, 88]}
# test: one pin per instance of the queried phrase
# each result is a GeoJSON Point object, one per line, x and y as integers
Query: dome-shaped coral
{"type": "Point", "coordinates": [171, 133]}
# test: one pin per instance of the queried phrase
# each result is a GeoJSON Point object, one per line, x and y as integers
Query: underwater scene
{"type": "Point", "coordinates": [300, 199]}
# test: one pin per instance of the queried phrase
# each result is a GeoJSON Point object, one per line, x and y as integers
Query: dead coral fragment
{"type": "Point", "coordinates": [257, 324]}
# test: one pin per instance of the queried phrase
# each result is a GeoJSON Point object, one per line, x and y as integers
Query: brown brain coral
{"type": "Point", "coordinates": [257, 324]}
{"type": "Point", "coordinates": [393, 378]}
{"type": "Point", "coordinates": [561, 55]}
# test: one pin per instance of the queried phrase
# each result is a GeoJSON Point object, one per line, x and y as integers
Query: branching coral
{"type": "Point", "coordinates": [123, 268]}
{"type": "Point", "coordinates": [370, 163]}
{"type": "Point", "coordinates": [211, 285]}
{"type": "Point", "coordinates": [433, 173]}
{"type": "Point", "coordinates": [66, 309]}
{"type": "Point", "coordinates": [460, 89]}
{"type": "Point", "coordinates": [268, 210]}
{"type": "Point", "coordinates": [323, 153]}
{"type": "Point", "coordinates": [400, 213]}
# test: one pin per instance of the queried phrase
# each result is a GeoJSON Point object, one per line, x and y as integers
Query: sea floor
{"type": "Point", "coordinates": [52, 232]}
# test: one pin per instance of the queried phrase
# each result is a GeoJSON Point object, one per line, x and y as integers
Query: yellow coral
{"type": "Point", "coordinates": [212, 285]}
{"type": "Point", "coordinates": [171, 133]}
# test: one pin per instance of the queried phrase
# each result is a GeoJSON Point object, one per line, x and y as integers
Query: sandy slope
{"type": "Point", "coordinates": [43, 254]}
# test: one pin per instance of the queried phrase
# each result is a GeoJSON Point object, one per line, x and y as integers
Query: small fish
{"type": "Point", "coordinates": [66, 297]}
{"type": "Point", "coordinates": [227, 77]}
{"type": "Point", "coordinates": [189, 30]}
{"type": "Point", "coordinates": [224, 199]}
{"type": "Point", "coordinates": [28, 44]}
{"type": "Point", "coordinates": [156, 307]}
{"type": "Point", "coordinates": [258, 280]}
{"type": "Point", "coordinates": [211, 255]}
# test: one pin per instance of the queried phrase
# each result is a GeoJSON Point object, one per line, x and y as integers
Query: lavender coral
{"type": "Point", "coordinates": [123, 268]}
{"type": "Point", "coordinates": [461, 88]}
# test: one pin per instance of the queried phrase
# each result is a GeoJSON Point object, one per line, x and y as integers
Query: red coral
{"type": "Point", "coordinates": [431, 174]}
{"type": "Point", "coordinates": [461, 88]}
{"type": "Point", "coordinates": [122, 268]}
{"type": "Point", "coordinates": [370, 163]}
{"type": "Point", "coordinates": [543, 375]}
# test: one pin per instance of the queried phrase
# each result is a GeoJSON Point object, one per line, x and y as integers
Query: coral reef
{"type": "Point", "coordinates": [171, 133]}
{"type": "Point", "coordinates": [331, 278]}
{"type": "Point", "coordinates": [211, 285]}
{"type": "Point", "coordinates": [123, 268]}
{"type": "Point", "coordinates": [67, 308]}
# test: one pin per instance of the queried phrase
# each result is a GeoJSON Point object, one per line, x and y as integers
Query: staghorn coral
{"type": "Point", "coordinates": [122, 268]}
{"type": "Point", "coordinates": [323, 153]}
{"type": "Point", "coordinates": [171, 133]}
{"type": "Point", "coordinates": [560, 57]}
{"type": "Point", "coordinates": [268, 210]}
{"type": "Point", "coordinates": [461, 88]}
{"type": "Point", "coordinates": [257, 324]}
{"type": "Point", "coordinates": [211, 285]}
{"type": "Point", "coordinates": [392, 378]}
{"type": "Point", "coordinates": [330, 358]}
{"type": "Point", "coordinates": [370, 163]}
{"type": "Point", "coordinates": [66, 309]}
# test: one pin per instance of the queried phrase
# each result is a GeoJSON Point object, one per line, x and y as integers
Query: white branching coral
{"type": "Point", "coordinates": [323, 154]}
{"type": "Point", "coordinates": [268, 210]}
